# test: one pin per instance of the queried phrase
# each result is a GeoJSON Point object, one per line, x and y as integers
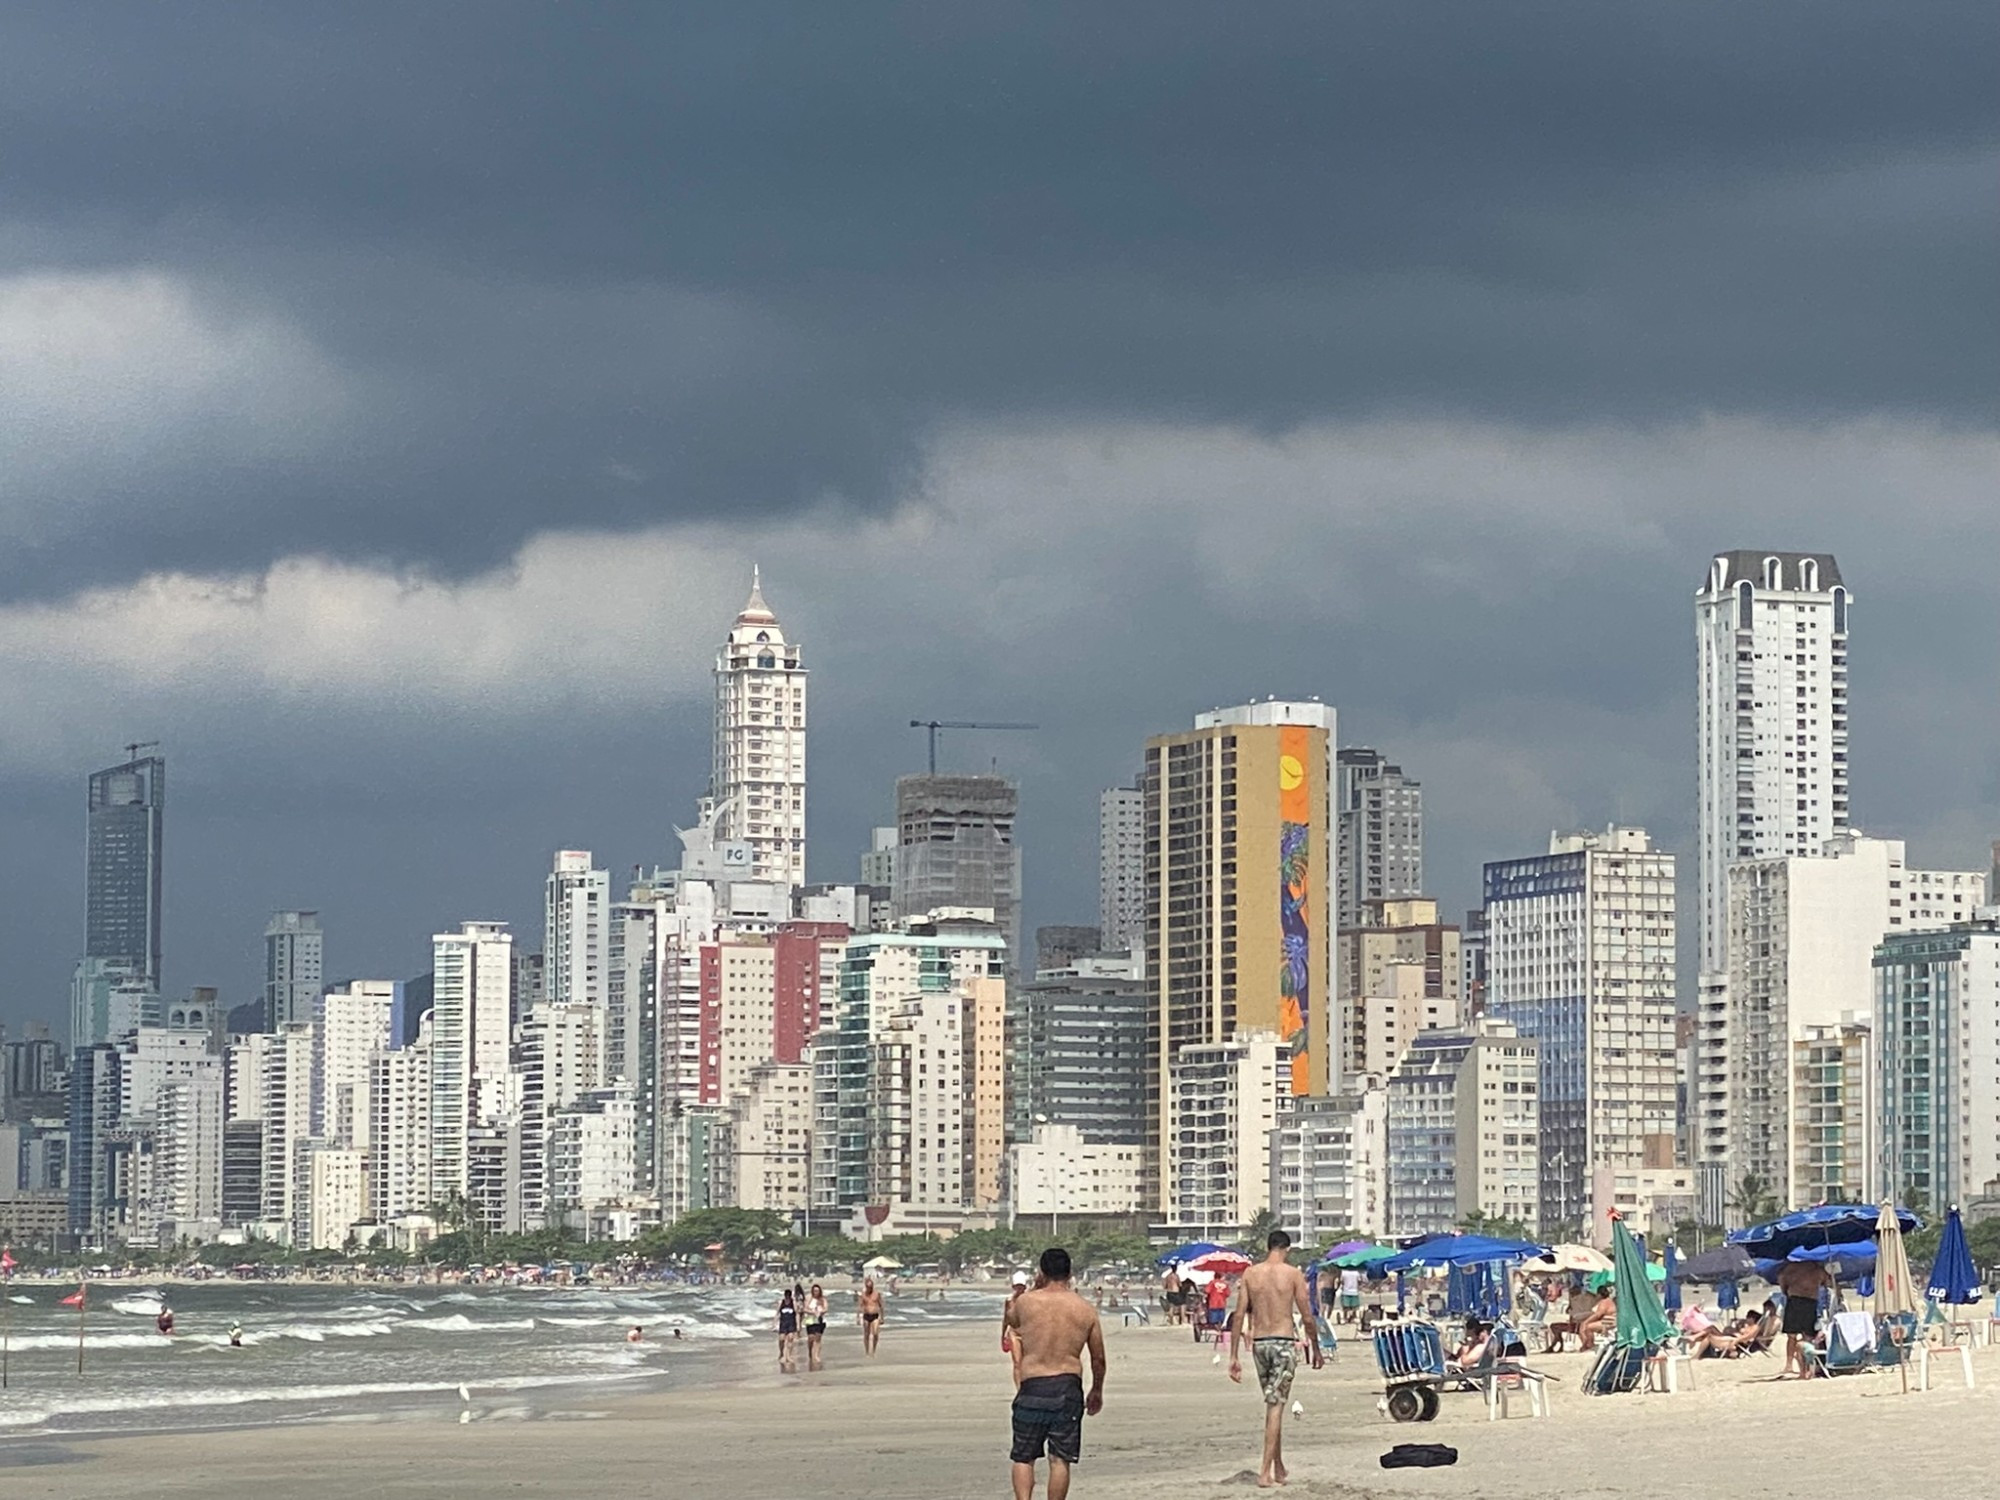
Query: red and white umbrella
{"type": "Point", "coordinates": [1221, 1262]}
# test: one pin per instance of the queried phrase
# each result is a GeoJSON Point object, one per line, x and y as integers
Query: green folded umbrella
{"type": "Point", "coordinates": [1642, 1322]}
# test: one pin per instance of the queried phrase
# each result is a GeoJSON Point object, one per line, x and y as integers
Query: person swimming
{"type": "Point", "coordinates": [637, 1335]}
{"type": "Point", "coordinates": [236, 1335]}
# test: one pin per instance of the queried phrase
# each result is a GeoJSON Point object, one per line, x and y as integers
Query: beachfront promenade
{"type": "Point", "coordinates": [928, 1419]}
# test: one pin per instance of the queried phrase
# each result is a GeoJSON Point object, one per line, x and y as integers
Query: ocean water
{"type": "Point", "coordinates": [332, 1352]}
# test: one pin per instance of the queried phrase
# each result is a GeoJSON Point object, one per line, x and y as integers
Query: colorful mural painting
{"type": "Point", "coordinates": [1294, 900]}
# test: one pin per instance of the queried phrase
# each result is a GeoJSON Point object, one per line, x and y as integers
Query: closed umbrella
{"type": "Point", "coordinates": [1954, 1278]}
{"type": "Point", "coordinates": [1727, 1296]}
{"type": "Point", "coordinates": [1670, 1294]}
{"type": "Point", "coordinates": [1895, 1292]}
{"type": "Point", "coordinates": [1642, 1322]}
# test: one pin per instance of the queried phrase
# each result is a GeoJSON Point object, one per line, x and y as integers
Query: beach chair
{"type": "Point", "coordinates": [1904, 1344]}
{"type": "Point", "coordinates": [1767, 1335]}
{"type": "Point", "coordinates": [1501, 1375]}
{"type": "Point", "coordinates": [1664, 1367]}
{"type": "Point", "coordinates": [1617, 1369]}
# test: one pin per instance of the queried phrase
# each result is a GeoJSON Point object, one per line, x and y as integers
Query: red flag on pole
{"type": "Point", "coordinates": [75, 1299]}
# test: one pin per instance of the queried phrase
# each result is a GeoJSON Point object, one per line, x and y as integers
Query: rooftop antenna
{"type": "Point", "coordinates": [934, 725]}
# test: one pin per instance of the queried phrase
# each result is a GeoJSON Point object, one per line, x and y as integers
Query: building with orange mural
{"type": "Point", "coordinates": [1238, 917]}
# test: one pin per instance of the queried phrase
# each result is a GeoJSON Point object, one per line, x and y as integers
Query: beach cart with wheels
{"type": "Point", "coordinates": [1411, 1358]}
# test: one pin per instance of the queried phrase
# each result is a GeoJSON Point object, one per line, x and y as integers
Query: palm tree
{"type": "Point", "coordinates": [1752, 1199]}
{"type": "Point", "coordinates": [1259, 1229]}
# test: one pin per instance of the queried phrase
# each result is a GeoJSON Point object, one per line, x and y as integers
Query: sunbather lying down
{"type": "Point", "coordinates": [1706, 1339]}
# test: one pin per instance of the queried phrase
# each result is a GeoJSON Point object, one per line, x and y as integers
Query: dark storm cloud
{"type": "Point", "coordinates": [609, 264]}
{"type": "Point", "coordinates": [1082, 364]}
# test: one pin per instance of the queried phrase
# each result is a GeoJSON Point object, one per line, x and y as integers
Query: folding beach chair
{"type": "Point", "coordinates": [1618, 1369]}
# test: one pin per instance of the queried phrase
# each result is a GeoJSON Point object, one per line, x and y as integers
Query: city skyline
{"type": "Point", "coordinates": [1073, 887]}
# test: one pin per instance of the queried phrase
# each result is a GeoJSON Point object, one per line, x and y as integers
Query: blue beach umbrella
{"type": "Point", "coordinates": [1670, 1294]}
{"type": "Point", "coordinates": [1954, 1278]}
{"type": "Point", "coordinates": [1816, 1228]}
{"type": "Point", "coordinates": [1193, 1250]}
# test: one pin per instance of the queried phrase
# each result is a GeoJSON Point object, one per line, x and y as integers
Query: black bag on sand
{"type": "Point", "coordinates": [1419, 1456]}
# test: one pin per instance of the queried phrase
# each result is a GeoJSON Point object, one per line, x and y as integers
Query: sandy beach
{"type": "Point", "coordinates": [928, 1418]}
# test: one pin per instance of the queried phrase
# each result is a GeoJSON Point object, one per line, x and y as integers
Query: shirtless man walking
{"type": "Point", "coordinates": [1052, 1327]}
{"type": "Point", "coordinates": [1268, 1295]}
{"type": "Point", "coordinates": [869, 1301]}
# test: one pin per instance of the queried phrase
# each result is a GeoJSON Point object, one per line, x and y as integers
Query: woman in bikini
{"type": "Point", "coordinates": [815, 1324]}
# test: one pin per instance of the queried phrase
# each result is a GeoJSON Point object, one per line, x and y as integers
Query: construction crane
{"type": "Point", "coordinates": [934, 725]}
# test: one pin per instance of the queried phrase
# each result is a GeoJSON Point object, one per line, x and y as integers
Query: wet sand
{"type": "Point", "coordinates": [928, 1418]}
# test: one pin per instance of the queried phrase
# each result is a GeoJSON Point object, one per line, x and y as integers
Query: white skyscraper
{"type": "Point", "coordinates": [1121, 868]}
{"type": "Point", "coordinates": [1802, 939]}
{"type": "Point", "coordinates": [576, 951]}
{"type": "Point", "coordinates": [399, 1131]}
{"type": "Point", "coordinates": [351, 1023]}
{"type": "Point", "coordinates": [294, 958]}
{"type": "Point", "coordinates": [758, 776]}
{"type": "Point", "coordinates": [1771, 635]}
{"type": "Point", "coordinates": [471, 1005]}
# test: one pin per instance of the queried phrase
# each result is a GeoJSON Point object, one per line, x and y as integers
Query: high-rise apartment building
{"type": "Point", "coordinates": [856, 1062]}
{"type": "Point", "coordinates": [576, 949]}
{"type": "Point", "coordinates": [632, 1025]}
{"type": "Point", "coordinates": [1226, 1098]}
{"type": "Point", "coordinates": [1463, 1126]}
{"type": "Point", "coordinates": [955, 846]}
{"type": "Point", "coordinates": [1401, 972]}
{"type": "Point", "coordinates": [757, 783]}
{"type": "Point", "coordinates": [559, 1050]}
{"type": "Point", "coordinates": [471, 1002]}
{"type": "Point", "coordinates": [1380, 815]}
{"type": "Point", "coordinates": [1580, 959]}
{"type": "Point", "coordinates": [1239, 933]}
{"type": "Point", "coordinates": [1121, 868]}
{"type": "Point", "coordinates": [1800, 949]}
{"type": "Point", "coordinates": [187, 1154]}
{"type": "Point", "coordinates": [294, 968]}
{"type": "Point", "coordinates": [763, 1150]}
{"type": "Point", "coordinates": [122, 866]}
{"type": "Point", "coordinates": [1078, 1053]}
{"type": "Point", "coordinates": [1937, 1051]}
{"type": "Point", "coordinates": [1771, 737]}
{"type": "Point", "coordinates": [284, 1085]}
{"type": "Point", "coordinates": [1330, 1164]}
{"type": "Point", "coordinates": [351, 1023]}
{"type": "Point", "coordinates": [399, 1131]}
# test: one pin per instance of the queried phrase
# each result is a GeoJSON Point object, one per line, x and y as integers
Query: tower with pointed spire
{"type": "Point", "coordinates": [757, 780]}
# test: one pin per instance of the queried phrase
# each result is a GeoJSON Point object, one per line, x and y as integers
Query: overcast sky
{"type": "Point", "coordinates": [394, 398]}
